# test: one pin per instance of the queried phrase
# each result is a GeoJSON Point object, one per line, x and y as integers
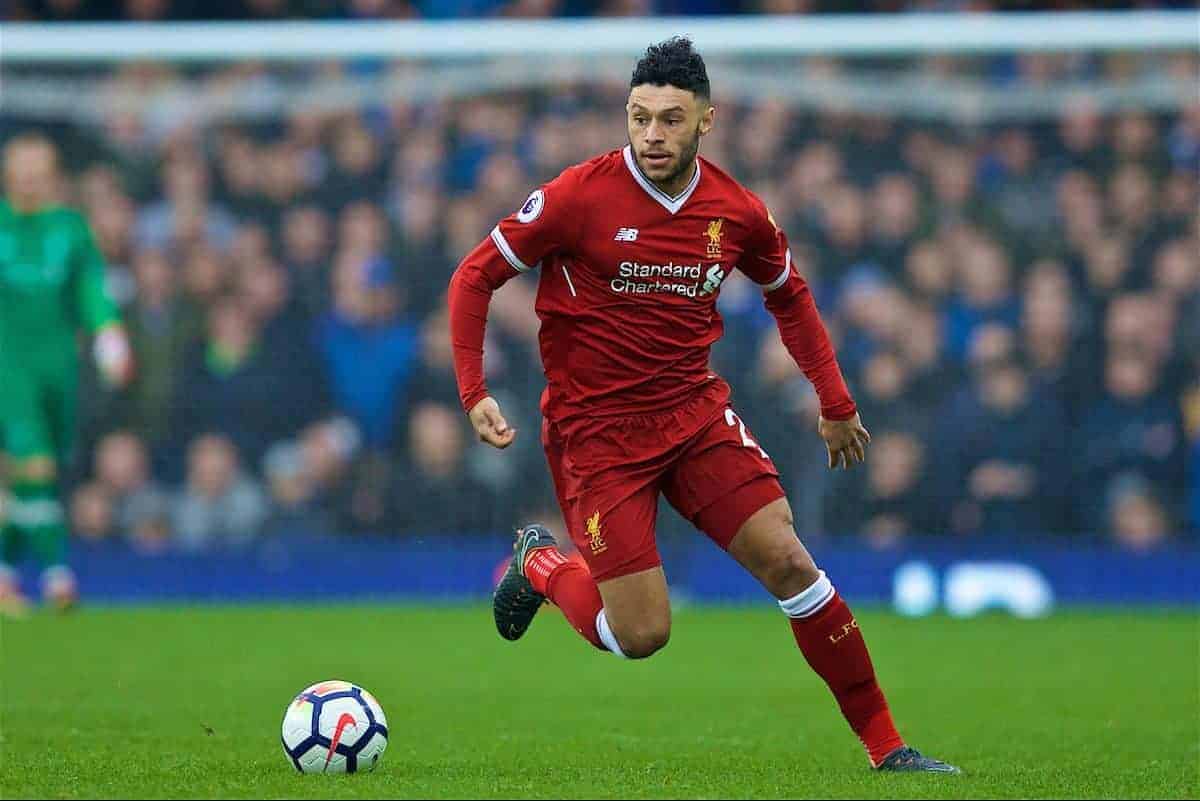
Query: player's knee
{"type": "Point", "coordinates": [641, 641]}
{"type": "Point", "coordinates": [37, 469]}
{"type": "Point", "coordinates": [646, 643]}
{"type": "Point", "coordinates": [801, 567]}
{"type": "Point", "coordinates": [792, 571]}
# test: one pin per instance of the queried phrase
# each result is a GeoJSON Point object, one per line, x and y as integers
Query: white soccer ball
{"type": "Point", "coordinates": [334, 727]}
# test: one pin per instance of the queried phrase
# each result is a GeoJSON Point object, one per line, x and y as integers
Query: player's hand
{"type": "Point", "coordinates": [490, 425]}
{"type": "Point", "coordinates": [114, 356]}
{"type": "Point", "coordinates": [845, 440]}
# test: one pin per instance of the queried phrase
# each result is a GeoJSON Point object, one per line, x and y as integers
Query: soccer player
{"type": "Point", "coordinates": [51, 287]}
{"type": "Point", "coordinates": [632, 248]}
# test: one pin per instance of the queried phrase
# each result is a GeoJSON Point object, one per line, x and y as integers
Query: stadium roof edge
{"type": "Point", "coordinates": [849, 35]}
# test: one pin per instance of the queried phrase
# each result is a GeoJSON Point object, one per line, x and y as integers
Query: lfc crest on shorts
{"type": "Point", "coordinates": [594, 537]}
{"type": "Point", "coordinates": [714, 234]}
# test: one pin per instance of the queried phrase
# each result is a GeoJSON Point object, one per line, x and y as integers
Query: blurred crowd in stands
{"type": "Point", "coordinates": [1016, 306]}
{"type": "Point", "coordinates": [156, 10]}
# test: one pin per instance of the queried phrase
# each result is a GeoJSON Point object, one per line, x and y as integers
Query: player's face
{"type": "Point", "coordinates": [29, 174]}
{"type": "Point", "coordinates": [665, 125]}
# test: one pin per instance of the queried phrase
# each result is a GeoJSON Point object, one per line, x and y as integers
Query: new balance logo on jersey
{"type": "Point", "coordinates": [626, 235]}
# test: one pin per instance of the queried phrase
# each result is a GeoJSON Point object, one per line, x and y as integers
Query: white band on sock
{"type": "Point", "coordinates": [810, 601]}
{"type": "Point", "coordinates": [41, 512]}
{"type": "Point", "coordinates": [606, 635]}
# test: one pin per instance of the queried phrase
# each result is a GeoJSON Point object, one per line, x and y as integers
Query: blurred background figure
{"type": "Point", "coordinates": [52, 295]}
{"type": "Point", "coordinates": [140, 505]}
{"type": "Point", "coordinates": [432, 488]}
{"type": "Point", "coordinates": [219, 505]}
{"type": "Point", "coordinates": [1015, 297]}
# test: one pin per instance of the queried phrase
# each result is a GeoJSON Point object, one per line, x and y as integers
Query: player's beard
{"type": "Point", "coordinates": [687, 155]}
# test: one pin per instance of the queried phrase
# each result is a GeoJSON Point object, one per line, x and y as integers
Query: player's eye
{"type": "Point", "coordinates": [640, 120]}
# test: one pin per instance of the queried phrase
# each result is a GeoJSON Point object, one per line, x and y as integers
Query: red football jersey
{"type": "Point", "coordinates": [629, 282]}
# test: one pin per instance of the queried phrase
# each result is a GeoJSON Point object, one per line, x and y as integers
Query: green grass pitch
{"type": "Point", "coordinates": [187, 702]}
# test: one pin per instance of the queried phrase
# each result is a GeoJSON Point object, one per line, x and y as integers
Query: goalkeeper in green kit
{"type": "Point", "coordinates": [51, 291]}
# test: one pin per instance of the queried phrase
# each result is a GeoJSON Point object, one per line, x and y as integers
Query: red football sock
{"type": "Point", "coordinates": [834, 647]}
{"type": "Point", "coordinates": [569, 586]}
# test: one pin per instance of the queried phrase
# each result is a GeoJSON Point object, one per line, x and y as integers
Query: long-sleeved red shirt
{"type": "Point", "coordinates": [628, 288]}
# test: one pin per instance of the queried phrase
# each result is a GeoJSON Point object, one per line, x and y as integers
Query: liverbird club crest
{"type": "Point", "coordinates": [714, 238]}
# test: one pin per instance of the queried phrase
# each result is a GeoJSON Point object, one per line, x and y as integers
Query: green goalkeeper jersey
{"type": "Point", "coordinates": [51, 286]}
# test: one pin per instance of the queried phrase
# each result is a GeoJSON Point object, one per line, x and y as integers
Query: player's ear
{"type": "Point", "coordinates": [706, 120]}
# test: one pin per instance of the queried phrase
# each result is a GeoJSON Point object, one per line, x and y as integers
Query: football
{"type": "Point", "coordinates": [334, 727]}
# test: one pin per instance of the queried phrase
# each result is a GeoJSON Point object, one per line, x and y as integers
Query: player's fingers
{"type": "Point", "coordinates": [832, 459]}
{"type": "Point", "coordinates": [497, 439]}
{"type": "Point", "coordinates": [860, 453]}
{"type": "Point", "coordinates": [863, 434]}
{"type": "Point", "coordinates": [486, 429]}
{"type": "Point", "coordinates": [496, 420]}
{"type": "Point", "coordinates": [506, 437]}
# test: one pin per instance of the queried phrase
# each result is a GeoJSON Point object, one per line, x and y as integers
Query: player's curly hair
{"type": "Point", "coordinates": [674, 62]}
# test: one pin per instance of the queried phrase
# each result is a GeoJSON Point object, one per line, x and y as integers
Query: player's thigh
{"type": "Point", "coordinates": [611, 520]}
{"type": "Point", "coordinates": [722, 478]}
{"type": "Point", "coordinates": [638, 609]}
{"type": "Point", "coordinates": [26, 428]}
{"type": "Point", "coordinates": [614, 529]}
{"type": "Point", "coordinates": [61, 397]}
{"type": "Point", "coordinates": [552, 446]}
{"type": "Point", "coordinates": [767, 546]}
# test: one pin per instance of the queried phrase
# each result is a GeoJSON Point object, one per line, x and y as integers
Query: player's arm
{"type": "Point", "coordinates": [98, 313]}
{"type": "Point", "coordinates": [768, 262]}
{"type": "Point", "coordinates": [516, 245]}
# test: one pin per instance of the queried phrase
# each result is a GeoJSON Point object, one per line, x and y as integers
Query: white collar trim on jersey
{"type": "Point", "coordinates": [671, 204]}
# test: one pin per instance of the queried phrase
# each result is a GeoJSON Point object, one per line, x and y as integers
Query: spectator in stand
{"type": "Point", "coordinates": [92, 517]}
{"type": "Point", "coordinates": [311, 479]}
{"type": "Point", "coordinates": [163, 328]}
{"type": "Point", "coordinates": [895, 503]}
{"type": "Point", "coordinates": [435, 485]}
{"type": "Point", "coordinates": [220, 505]}
{"type": "Point", "coordinates": [184, 214]}
{"type": "Point", "coordinates": [369, 346]}
{"type": "Point", "coordinates": [1004, 454]}
{"type": "Point", "coordinates": [1137, 519]}
{"type": "Point", "coordinates": [985, 294]}
{"type": "Point", "coordinates": [895, 219]}
{"type": "Point", "coordinates": [230, 384]}
{"type": "Point", "coordinates": [1134, 428]}
{"type": "Point", "coordinates": [1049, 336]}
{"type": "Point", "coordinates": [307, 245]}
{"type": "Point", "coordinates": [139, 503]}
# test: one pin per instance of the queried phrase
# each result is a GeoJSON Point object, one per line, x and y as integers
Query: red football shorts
{"type": "Point", "coordinates": [609, 473]}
